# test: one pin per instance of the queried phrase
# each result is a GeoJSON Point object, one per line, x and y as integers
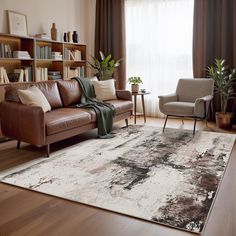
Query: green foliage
{"type": "Point", "coordinates": [224, 80]}
{"type": "Point", "coordinates": [135, 80]}
{"type": "Point", "coordinates": [104, 67]}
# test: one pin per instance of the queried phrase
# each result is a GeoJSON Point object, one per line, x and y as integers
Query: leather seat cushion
{"type": "Point", "coordinates": [179, 108]}
{"type": "Point", "coordinates": [63, 119]}
{"type": "Point", "coordinates": [121, 106]}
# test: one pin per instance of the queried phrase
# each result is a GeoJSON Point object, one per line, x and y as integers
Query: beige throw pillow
{"type": "Point", "coordinates": [105, 90]}
{"type": "Point", "coordinates": [34, 97]}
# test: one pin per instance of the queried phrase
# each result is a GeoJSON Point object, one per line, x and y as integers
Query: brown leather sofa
{"type": "Point", "coordinates": [31, 125]}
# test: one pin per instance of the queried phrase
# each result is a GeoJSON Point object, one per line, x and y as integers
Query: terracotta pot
{"type": "Point", "coordinates": [134, 88]}
{"type": "Point", "coordinates": [224, 121]}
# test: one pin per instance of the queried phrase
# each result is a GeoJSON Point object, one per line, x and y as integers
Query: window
{"type": "Point", "coordinates": [159, 45]}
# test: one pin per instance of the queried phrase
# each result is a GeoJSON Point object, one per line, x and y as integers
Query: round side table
{"type": "Point", "coordinates": [143, 104]}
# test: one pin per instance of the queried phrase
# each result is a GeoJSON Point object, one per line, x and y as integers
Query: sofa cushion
{"type": "Point", "coordinates": [33, 96]}
{"type": "Point", "coordinates": [51, 92]}
{"type": "Point", "coordinates": [49, 89]}
{"type": "Point", "coordinates": [63, 119]}
{"type": "Point", "coordinates": [105, 90]}
{"type": "Point", "coordinates": [179, 108]}
{"type": "Point", "coordinates": [121, 106]}
{"type": "Point", "coordinates": [70, 92]}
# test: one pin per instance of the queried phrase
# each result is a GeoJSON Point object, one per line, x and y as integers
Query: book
{"type": "Point", "coordinates": [3, 76]}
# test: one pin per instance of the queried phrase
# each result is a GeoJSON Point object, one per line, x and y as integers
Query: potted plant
{"type": "Point", "coordinates": [224, 80]}
{"type": "Point", "coordinates": [135, 81]}
{"type": "Point", "coordinates": [104, 67]}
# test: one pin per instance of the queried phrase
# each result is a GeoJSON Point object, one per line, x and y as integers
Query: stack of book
{"type": "Point", "coordinates": [43, 52]}
{"type": "Point", "coordinates": [21, 55]}
{"type": "Point", "coordinates": [5, 50]}
{"type": "Point", "coordinates": [43, 36]}
{"type": "Point", "coordinates": [74, 55]}
{"type": "Point", "coordinates": [70, 72]}
{"type": "Point", "coordinates": [3, 76]}
{"type": "Point", "coordinates": [56, 56]}
{"type": "Point", "coordinates": [24, 74]}
{"type": "Point", "coordinates": [54, 75]}
{"type": "Point", "coordinates": [41, 74]}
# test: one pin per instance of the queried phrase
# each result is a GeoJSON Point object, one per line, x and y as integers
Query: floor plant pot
{"type": "Point", "coordinates": [224, 120]}
{"type": "Point", "coordinates": [134, 88]}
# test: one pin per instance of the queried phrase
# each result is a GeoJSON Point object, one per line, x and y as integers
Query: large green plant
{"type": "Point", "coordinates": [224, 79]}
{"type": "Point", "coordinates": [105, 66]}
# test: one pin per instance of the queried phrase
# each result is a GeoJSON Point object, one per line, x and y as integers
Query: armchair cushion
{"type": "Point", "coordinates": [179, 108]}
{"type": "Point", "coordinates": [166, 98]}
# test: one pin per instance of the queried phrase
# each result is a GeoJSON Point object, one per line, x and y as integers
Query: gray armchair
{"type": "Point", "coordinates": [191, 99]}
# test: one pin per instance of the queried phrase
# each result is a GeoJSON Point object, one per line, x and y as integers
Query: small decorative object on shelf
{"type": "Point", "coordinates": [143, 90]}
{"type": "Point", "coordinates": [65, 37]}
{"type": "Point", "coordinates": [105, 67]}
{"type": "Point", "coordinates": [54, 32]}
{"type": "Point", "coordinates": [69, 36]}
{"type": "Point", "coordinates": [135, 81]}
{"type": "Point", "coordinates": [224, 80]}
{"type": "Point", "coordinates": [75, 37]}
{"type": "Point", "coordinates": [17, 23]}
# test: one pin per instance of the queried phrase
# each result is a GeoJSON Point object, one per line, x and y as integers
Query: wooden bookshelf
{"type": "Point", "coordinates": [32, 45]}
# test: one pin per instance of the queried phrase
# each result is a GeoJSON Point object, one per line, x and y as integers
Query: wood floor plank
{"type": "Point", "coordinates": [24, 212]}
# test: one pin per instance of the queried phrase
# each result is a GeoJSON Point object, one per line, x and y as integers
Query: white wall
{"type": "Point", "coordinates": [68, 15]}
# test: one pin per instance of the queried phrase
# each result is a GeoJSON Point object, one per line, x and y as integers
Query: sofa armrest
{"type": "Point", "coordinates": [124, 94]}
{"type": "Point", "coordinates": [202, 105]}
{"type": "Point", "coordinates": [23, 123]}
{"type": "Point", "coordinates": [166, 98]}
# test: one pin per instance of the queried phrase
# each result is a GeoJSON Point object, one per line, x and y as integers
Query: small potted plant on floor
{"type": "Point", "coordinates": [224, 79]}
{"type": "Point", "coordinates": [135, 81]}
{"type": "Point", "coordinates": [104, 67]}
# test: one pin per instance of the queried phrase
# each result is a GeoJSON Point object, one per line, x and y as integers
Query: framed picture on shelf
{"type": "Point", "coordinates": [17, 23]}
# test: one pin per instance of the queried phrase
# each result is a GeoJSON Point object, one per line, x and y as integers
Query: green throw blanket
{"type": "Point", "coordinates": [105, 112]}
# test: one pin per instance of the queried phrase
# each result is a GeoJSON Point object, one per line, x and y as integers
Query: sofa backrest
{"type": "Point", "coordinates": [49, 89]}
{"type": "Point", "coordinates": [70, 92]}
{"type": "Point", "coordinates": [188, 90]}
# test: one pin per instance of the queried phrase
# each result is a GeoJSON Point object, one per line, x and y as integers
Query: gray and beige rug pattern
{"type": "Point", "coordinates": [169, 178]}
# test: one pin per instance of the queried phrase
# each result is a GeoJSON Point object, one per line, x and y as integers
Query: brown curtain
{"type": "Point", "coordinates": [110, 34]}
{"type": "Point", "coordinates": [214, 36]}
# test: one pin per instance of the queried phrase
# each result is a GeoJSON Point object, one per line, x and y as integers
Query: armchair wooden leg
{"type": "Point", "coordinates": [48, 150]}
{"type": "Point", "coordinates": [194, 127]}
{"type": "Point", "coordinates": [18, 145]}
{"type": "Point", "coordinates": [165, 124]}
{"type": "Point", "coordinates": [126, 122]}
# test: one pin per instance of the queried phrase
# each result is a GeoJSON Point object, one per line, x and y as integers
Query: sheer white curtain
{"type": "Point", "coordinates": [159, 45]}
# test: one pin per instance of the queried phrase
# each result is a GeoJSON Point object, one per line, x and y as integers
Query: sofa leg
{"type": "Point", "coordinates": [165, 124]}
{"type": "Point", "coordinates": [18, 145]}
{"type": "Point", "coordinates": [48, 150]}
{"type": "Point", "coordinates": [194, 126]}
{"type": "Point", "coordinates": [126, 122]}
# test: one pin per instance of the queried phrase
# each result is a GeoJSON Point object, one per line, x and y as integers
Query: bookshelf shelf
{"type": "Point", "coordinates": [41, 51]}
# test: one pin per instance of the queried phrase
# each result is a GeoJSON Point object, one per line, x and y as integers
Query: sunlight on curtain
{"type": "Point", "coordinates": [159, 45]}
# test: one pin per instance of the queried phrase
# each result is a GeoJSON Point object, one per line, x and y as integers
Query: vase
{"type": "Point", "coordinates": [69, 36]}
{"type": "Point", "coordinates": [65, 37]}
{"type": "Point", "coordinates": [75, 37]}
{"type": "Point", "coordinates": [134, 88]}
{"type": "Point", "coordinates": [54, 32]}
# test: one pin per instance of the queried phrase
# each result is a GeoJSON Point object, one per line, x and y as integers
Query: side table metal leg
{"type": "Point", "coordinates": [144, 112]}
{"type": "Point", "coordinates": [135, 108]}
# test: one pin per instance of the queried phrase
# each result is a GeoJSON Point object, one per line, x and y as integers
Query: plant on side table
{"type": "Point", "coordinates": [224, 80]}
{"type": "Point", "coordinates": [135, 81]}
{"type": "Point", "coordinates": [104, 67]}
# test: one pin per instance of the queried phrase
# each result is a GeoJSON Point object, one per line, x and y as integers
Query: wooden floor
{"type": "Point", "coordinates": [24, 212]}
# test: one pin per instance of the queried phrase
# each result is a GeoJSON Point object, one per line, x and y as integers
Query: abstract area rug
{"type": "Point", "coordinates": [169, 178]}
